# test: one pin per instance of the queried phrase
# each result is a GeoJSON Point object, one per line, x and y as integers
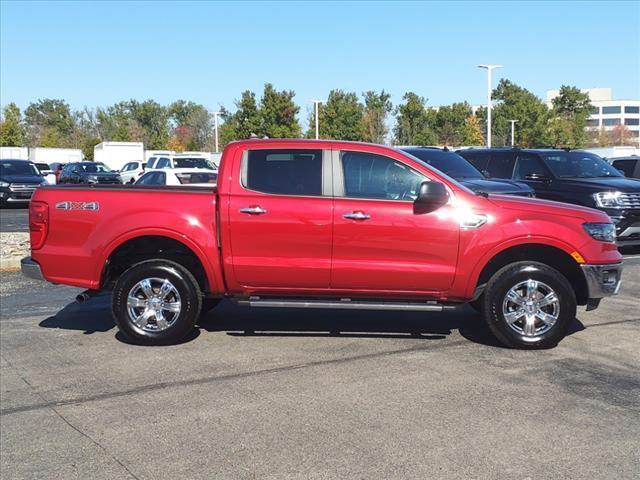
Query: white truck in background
{"type": "Point", "coordinates": [15, 153]}
{"type": "Point", "coordinates": [613, 152]}
{"type": "Point", "coordinates": [116, 155]}
{"type": "Point", "coordinates": [55, 155]}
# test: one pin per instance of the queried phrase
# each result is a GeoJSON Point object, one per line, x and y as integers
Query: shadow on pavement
{"type": "Point", "coordinates": [95, 316]}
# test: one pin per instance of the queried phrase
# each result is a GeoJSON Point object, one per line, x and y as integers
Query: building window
{"type": "Point", "coordinates": [594, 110]}
{"type": "Point", "coordinates": [634, 133]}
{"type": "Point", "coordinates": [594, 122]}
{"type": "Point", "coordinates": [632, 121]}
{"type": "Point", "coordinates": [632, 110]}
{"type": "Point", "coordinates": [610, 122]}
{"type": "Point", "coordinates": [606, 110]}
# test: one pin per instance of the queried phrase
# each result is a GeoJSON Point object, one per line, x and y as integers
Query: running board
{"type": "Point", "coordinates": [344, 304]}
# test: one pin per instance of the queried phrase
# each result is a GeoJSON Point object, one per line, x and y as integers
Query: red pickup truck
{"type": "Point", "coordinates": [324, 224]}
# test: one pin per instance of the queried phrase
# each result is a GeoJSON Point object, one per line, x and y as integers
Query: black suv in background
{"type": "Point", "coordinates": [88, 172]}
{"type": "Point", "coordinates": [18, 181]}
{"type": "Point", "coordinates": [571, 176]}
{"type": "Point", "coordinates": [458, 168]}
{"type": "Point", "coordinates": [630, 166]}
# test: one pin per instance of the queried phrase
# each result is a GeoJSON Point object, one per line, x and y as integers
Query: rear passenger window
{"type": "Point", "coordinates": [284, 172]}
{"type": "Point", "coordinates": [501, 165]}
{"type": "Point", "coordinates": [529, 167]}
{"type": "Point", "coordinates": [367, 175]}
{"type": "Point", "coordinates": [477, 159]}
{"type": "Point", "coordinates": [626, 166]}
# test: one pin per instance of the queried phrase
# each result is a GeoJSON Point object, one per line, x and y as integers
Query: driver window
{"type": "Point", "coordinates": [367, 175]}
{"type": "Point", "coordinates": [529, 165]}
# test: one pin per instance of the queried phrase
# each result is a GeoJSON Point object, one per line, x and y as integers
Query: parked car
{"type": "Point", "coordinates": [629, 166]}
{"type": "Point", "coordinates": [456, 167]}
{"type": "Point", "coordinates": [56, 168]}
{"type": "Point", "coordinates": [131, 172]}
{"type": "Point", "coordinates": [179, 176]}
{"type": "Point", "coordinates": [48, 174]}
{"type": "Point", "coordinates": [88, 172]}
{"type": "Point", "coordinates": [574, 176]}
{"type": "Point", "coordinates": [324, 224]}
{"type": "Point", "coordinates": [178, 161]}
{"type": "Point", "coordinates": [18, 180]}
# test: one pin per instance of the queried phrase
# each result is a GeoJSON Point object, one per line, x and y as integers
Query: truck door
{"type": "Point", "coordinates": [380, 244]}
{"type": "Point", "coordinates": [280, 219]}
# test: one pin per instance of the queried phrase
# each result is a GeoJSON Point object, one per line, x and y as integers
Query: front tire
{"type": "Point", "coordinates": [529, 305]}
{"type": "Point", "coordinates": [156, 302]}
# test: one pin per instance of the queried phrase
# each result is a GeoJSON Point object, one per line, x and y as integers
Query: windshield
{"type": "Point", "coordinates": [579, 165]}
{"type": "Point", "coordinates": [94, 168]}
{"type": "Point", "coordinates": [18, 167]}
{"type": "Point", "coordinates": [448, 163]}
{"type": "Point", "coordinates": [192, 162]}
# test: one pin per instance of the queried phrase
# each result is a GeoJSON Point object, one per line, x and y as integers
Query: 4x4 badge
{"type": "Point", "coordinates": [91, 206]}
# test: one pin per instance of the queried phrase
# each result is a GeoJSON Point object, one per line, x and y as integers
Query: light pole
{"type": "Point", "coordinates": [513, 131]}
{"type": "Point", "coordinates": [316, 104]}
{"type": "Point", "coordinates": [215, 127]}
{"type": "Point", "coordinates": [489, 68]}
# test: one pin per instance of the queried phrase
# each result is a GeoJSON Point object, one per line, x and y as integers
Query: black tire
{"type": "Point", "coordinates": [511, 275]}
{"type": "Point", "coordinates": [190, 301]}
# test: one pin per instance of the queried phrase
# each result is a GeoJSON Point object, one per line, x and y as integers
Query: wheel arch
{"type": "Point", "coordinates": [553, 256]}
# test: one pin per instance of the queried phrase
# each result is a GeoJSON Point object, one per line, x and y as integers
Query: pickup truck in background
{"type": "Point", "coordinates": [324, 224]}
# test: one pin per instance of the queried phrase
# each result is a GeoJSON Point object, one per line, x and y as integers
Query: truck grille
{"type": "Point", "coordinates": [630, 200]}
{"type": "Point", "coordinates": [22, 187]}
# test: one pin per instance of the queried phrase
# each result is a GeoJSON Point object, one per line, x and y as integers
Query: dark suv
{"type": "Point", "coordinates": [88, 172]}
{"type": "Point", "coordinates": [458, 168]}
{"type": "Point", "coordinates": [18, 181]}
{"type": "Point", "coordinates": [630, 166]}
{"type": "Point", "coordinates": [572, 176]}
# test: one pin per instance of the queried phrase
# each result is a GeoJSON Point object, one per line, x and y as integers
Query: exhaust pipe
{"type": "Point", "coordinates": [85, 296]}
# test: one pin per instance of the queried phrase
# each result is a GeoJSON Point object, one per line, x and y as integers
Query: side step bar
{"type": "Point", "coordinates": [344, 304]}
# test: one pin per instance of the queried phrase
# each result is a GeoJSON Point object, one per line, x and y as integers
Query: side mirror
{"type": "Point", "coordinates": [431, 196]}
{"type": "Point", "coordinates": [537, 177]}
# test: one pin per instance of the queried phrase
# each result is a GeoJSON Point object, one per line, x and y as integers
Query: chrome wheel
{"type": "Point", "coordinates": [531, 308]}
{"type": "Point", "coordinates": [153, 304]}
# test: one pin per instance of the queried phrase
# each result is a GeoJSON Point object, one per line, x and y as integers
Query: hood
{"type": "Point", "coordinates": [495, 186]}
{"type": "Point", "coordinates": [549, 207]}
{"type": "Point", "coordinates": [623, 184]}
{"type": "Point", "coordinates": [22, 179]}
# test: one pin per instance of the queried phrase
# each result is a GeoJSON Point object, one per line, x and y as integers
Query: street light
{"type": "Point", "coordinates": [489, 68]}
{"type": "Point", "coordinates": [513, 131]}
{"type": "Point", "coordinates": [215, 126]}
{"type": "Point", "coordinates": [316, 104]}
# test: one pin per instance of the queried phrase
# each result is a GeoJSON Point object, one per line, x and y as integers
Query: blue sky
{"type": "Point", "coordinates": [95, 54]}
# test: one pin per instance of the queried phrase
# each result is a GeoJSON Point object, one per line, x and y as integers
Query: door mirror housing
{"type": "Point", "coordinates": [539, 177]}
{"type": "Point", "coordinates": [431, 196]}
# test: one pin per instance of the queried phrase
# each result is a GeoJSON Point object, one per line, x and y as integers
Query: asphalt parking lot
{"type": "Point", "coordinates": [14, 219]}
{"type": "Point", "coordinates": [313, 394]}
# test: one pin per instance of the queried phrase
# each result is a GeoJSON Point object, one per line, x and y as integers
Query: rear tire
{"type": "Point", "coordinates": [529, 305]}
{"type": "Point", "coordinates": [156, 302]}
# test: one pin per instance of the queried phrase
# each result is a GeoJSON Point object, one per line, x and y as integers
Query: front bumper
{"type": "Point", "coordinates": [602, 280]}
{"type": "Point", "coordinates": [17, 192]}
{"type": "Point", "coordinates": [30, 268]}
{"type": "Point", "coordinates": [627, 222]}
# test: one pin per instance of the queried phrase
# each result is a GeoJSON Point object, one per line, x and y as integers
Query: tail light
{"type": "Point", "coordinates": [38, 224]}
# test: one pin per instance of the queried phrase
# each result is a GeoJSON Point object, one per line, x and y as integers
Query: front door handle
{"type": "Point", "coordinates": [357, 216]}
{"type": "Point", "coordinates": [253, 210]}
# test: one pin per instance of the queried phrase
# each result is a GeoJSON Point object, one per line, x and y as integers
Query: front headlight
{"type": "Point", "coordinates": [608, 199]}
{"type": "Point", "coordinates": [604, 232]}
{"type": "Point", "coordinates": [4, 184]}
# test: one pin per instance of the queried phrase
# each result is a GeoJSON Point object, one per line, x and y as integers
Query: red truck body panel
{"type": "Point", "coordinates": [304, 245]}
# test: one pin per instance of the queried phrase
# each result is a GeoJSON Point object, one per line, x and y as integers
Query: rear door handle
{"type": "Point", "coordinates": [357, 216]}
{"type": "Point", "coordinates": [253, 210]}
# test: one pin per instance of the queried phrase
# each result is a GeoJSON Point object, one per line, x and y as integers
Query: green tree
{"type": "Point", "coordinates": [193, 118]}
{"type": "Point", "coordinates": [413, 122]}
{"type": "Point", "coordinates": [153, 119]}
{"type": "Point", "coordinates": [278, 113]}
{"type": "Point", "coordinates": [49, 121]}
{"type": "Point", "coordinates": [11, 128]}
{"type": "Point", "coordinates": [340, 117]}
{"type": "Point", "coordinates": [517, 103]}
{"type": "Point", "coordinates": [449, 122]}
{"type": "Point", "coordinates": [570, 109]}
{"type": "Point", "coordinates": [471, 132]}
{"type": "Point", "coordinates": [376, 108]}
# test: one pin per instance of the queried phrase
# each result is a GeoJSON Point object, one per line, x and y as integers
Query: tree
{"type": "Point", "coordinates": [376, 108]}
{"type": "Point", "coordinates": [517, 103]}
{"type": "Point", "coordinates": [413, 122]}
{"type": "Point", "coordinates": [570, 110]}
{"type": "Point", "coordinates": [340, 117]}
{"type": "Point", "coordinates": [621, 135]}
{"type": "Point", "coordinates": [48, 120]}
{"type": "Point", "coordinates": [471, 132]}
{"type": "Point", "coordinates": [11, 128]}
{"type": "Point", "coordinates": [449, 122]}
{"type": "Point", "coordinates": [278, 113]}
{"type": "Point", "coordinates": [192, 123]}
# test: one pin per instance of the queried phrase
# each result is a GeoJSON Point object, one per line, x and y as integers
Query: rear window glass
{"type": "Point", "coordinates": [198, 177]}
{"type": "Point", "coordinates": [284, 172]}
{"type": "Point", "coordinates": [192, 162]}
